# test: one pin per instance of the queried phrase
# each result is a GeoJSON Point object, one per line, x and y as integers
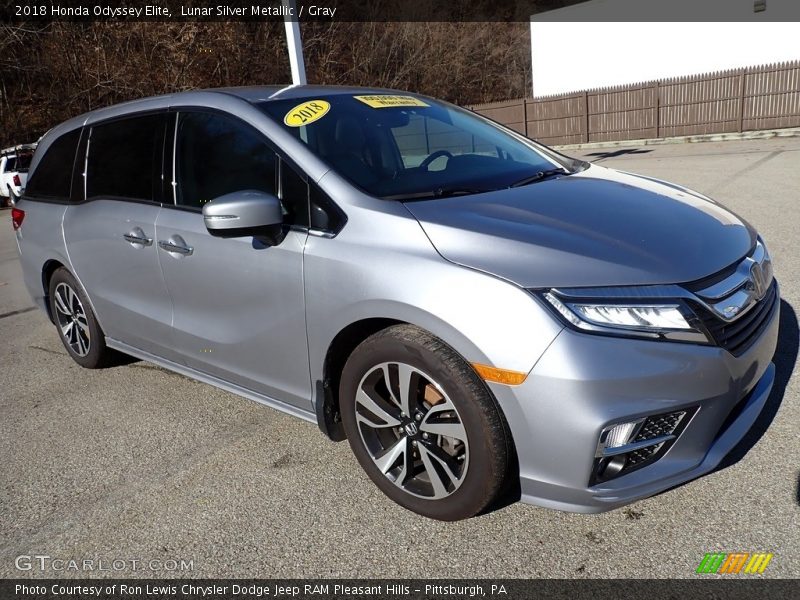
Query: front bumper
{"type": "Point", "coordinates": [584, 383]}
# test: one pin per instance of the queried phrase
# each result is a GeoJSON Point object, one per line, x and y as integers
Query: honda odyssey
{"type": "Point", "coordinates": [477, 314]}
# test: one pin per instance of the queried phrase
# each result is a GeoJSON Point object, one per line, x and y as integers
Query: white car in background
{"type": "Point", "coordinates": [14, 164]}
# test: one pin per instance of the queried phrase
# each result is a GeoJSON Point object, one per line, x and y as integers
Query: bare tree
{"type": "Point", "coordinates": [51, 72]}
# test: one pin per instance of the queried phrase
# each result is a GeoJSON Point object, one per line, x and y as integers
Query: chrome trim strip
{"type": "Point", "coordinates": [731, 308]}
{"type": "Point", "coordinates": [173, 178]}
{"type": "Point", "coordinates": [321, 233]}
{"type": "Point", "coordinates": [733, 282]}
{"type": "Point", "coordinates": [605, 452]}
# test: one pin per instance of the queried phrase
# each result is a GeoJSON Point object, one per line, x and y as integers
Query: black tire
{"type": "Point", "coordinates": [97, 354]}
{"type": "Point", "coordinates": [490, 450]}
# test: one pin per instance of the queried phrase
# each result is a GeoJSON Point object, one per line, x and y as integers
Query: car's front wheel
{"type": "Point", "coordinates": [423, 425]}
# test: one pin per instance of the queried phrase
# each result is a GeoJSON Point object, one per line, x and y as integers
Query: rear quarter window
{"type": "Point", "coordinates": [52, 177]}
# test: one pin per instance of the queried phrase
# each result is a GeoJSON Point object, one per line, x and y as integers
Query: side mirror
{"type": "Point", "coordinates": [244, 213]}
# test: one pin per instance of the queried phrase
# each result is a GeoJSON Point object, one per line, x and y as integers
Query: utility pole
{"type": "Point", "coordinates": [294, 43]}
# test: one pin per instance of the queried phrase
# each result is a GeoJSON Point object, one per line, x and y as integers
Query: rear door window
{"type": "Point", "coordinates": [124, 159]}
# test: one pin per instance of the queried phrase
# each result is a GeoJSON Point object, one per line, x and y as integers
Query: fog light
{"type": "Point", "coordinates": [619, 435]}
{"type": "Point", "coordinates": [615, 437]}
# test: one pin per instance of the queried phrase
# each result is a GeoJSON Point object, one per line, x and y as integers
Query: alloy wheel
{"type": "Point", "coordinates": [72, 320]}
{"type": "Point", "coordinates": [412, 430]}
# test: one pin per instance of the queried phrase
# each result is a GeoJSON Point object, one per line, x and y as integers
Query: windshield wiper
{"type": "Point", "coordinates": [437, 193]}
{"type": "Point", "coordinates": [540, 175]}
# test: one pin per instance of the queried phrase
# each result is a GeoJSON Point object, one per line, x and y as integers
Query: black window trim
{"type": "Point", "coordinates": [77, 192]}
{"type": "Point", "coordinates": [283, 162]}
{"type": "Point", "coordinates": [326, 233]}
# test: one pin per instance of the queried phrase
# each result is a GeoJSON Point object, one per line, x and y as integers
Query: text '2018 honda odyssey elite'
{"type": "Point", "coordinates": [467, 307]}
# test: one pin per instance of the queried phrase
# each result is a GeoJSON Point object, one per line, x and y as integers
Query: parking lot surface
{"type": "Point", "coordinates": [137, 463]}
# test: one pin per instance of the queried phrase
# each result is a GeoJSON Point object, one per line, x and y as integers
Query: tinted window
{"type": "Point", "coordinates": [217, 155]}
{"type": "Point", "coordinates": [325, 215]}
{"type": "Point", "coordinates": [294, 196]}
{"type": "Point", "coordinates": [53, 175]}
{"type": "Point", "coordinates": [125, 158]}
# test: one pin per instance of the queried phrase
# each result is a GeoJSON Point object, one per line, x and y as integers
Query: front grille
{"type": "Point", "coordinates": [738, 336]}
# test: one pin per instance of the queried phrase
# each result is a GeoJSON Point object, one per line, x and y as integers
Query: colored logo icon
{"type": "Point", "coordinates": [734, 563]}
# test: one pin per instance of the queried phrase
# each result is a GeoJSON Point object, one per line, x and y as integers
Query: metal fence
{"type": "Point", "coordinates": [765, 97]}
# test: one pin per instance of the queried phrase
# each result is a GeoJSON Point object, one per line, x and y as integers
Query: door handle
{"type": "Point", "coordinates": [136, 236]}
{"type": "Point", "coordinates": [171, 246]}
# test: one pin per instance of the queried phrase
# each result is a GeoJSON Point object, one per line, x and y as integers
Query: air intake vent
{"type": "Point", "coordinates": [648, 442]}
{"type": "Point", "coordinates": [659, 425]}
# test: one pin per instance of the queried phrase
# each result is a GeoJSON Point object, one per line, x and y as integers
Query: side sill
{"type": "Point", "coordinates": [211, 380]}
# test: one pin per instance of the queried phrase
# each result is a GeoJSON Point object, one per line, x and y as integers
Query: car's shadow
{"type": "Point", "coordinates": [797, 495]}
{"type": "Point", "coordinates": [118, 359]}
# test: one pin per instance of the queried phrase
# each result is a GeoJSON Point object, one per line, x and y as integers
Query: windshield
{"type": "Point", "coordinates": [404, 147]}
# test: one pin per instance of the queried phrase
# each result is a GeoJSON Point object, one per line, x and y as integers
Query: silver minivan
{"type": "Point", "coordinates": [477, 314]}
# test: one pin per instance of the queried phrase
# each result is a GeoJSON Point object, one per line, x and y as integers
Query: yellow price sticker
{"type": "Point", "coordinates": [306, 113]}
{"type": "Point", "coordinates": [387, 101]}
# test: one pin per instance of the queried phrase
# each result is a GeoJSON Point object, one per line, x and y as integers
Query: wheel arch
{"type": "Point", "coordinates": [326, 396]}
{"type": "Point", "coordinates": [342, 345]}
{"type": "Point", "coordinates": [50, 266]}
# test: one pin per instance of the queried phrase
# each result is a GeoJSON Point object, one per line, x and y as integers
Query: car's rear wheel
{"type": "Point", "coordinates": [423, 425]}
{"type": "Point", "coordinates": [77, 326]}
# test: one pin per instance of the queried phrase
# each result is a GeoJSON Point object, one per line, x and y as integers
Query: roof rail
{"type": "Point", "coordinates": [18, 148]}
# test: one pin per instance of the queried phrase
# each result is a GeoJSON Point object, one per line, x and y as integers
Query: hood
{"type": "Point", "coordinates": [599, 227]}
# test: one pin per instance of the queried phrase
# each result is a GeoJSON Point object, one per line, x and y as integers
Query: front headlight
{"type": "Point", "coordinates": [652, 320]}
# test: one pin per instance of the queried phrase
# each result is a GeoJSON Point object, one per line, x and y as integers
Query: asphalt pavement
{"type": "Point", "coordinates": [135, 463]}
